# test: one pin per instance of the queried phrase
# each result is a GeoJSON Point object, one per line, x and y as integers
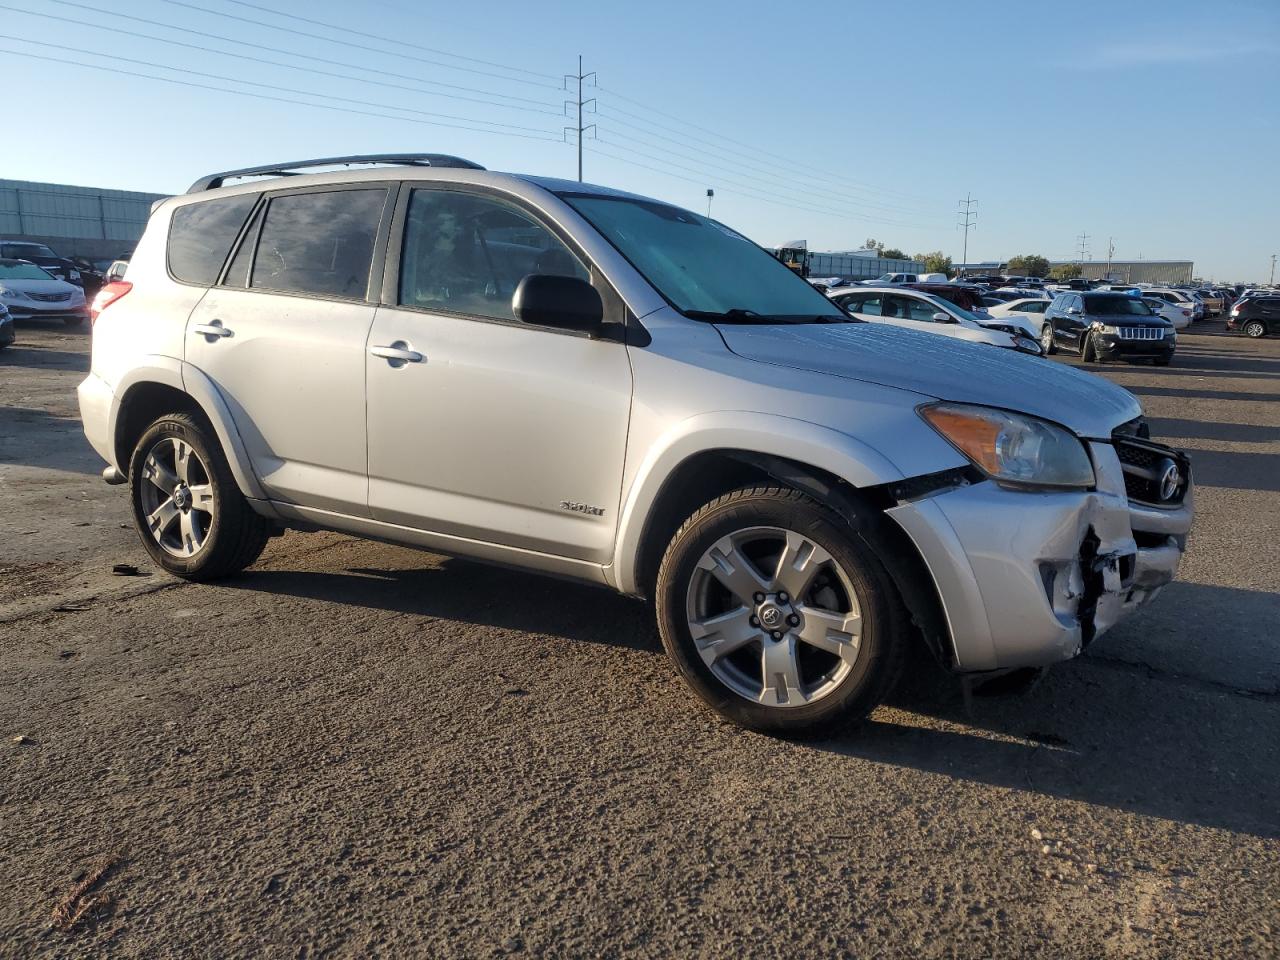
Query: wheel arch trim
{"type": "Point", "coordinates": [764, 434]}
{"type": "Point", "coordinates": [187, 379]}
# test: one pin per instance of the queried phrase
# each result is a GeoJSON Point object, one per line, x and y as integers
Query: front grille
{"type": "Point", "coordinates": [50, 297]}
{"type": "Point", "coordinates": [1141, 333]}
{"type": "Point", "coordinates": [1147, 476]}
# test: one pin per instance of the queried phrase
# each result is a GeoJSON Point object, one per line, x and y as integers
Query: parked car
{"type": "Point", "coordinates": [1256, 317]}
{"type": "Point", "coordinates": [1109, 326]}
{"type": "Point", "coordinates": [916, 310]}
{"type": "Point", "coordinates": [116, 271]}
{"type": "Point", "coordinates": [962, 295]}
{"type": "Point", "coordinates": [583, 382]}
{"type": "Point", "coordinates": [1181, 298]}
{"type": "Point", "coordinates": [29, 292]}
{"type": "Point", "coordinates": [42, 256]}
{"type": "Point", "coordinates": [1178, 314]}
{"type": "Point", "coordinates": [889, 278]}
{"type": "Point", "coordinates": [1028, 313]}
{"type": "Point", "coordinates": [7, 332]}
{"type": "Point", "coordinates": [1212, 301]}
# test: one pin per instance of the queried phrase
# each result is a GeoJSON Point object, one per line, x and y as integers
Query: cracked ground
{"type": "Point", "coordinates": [357, 749]}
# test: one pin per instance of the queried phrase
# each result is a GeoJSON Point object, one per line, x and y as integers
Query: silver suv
{"type": "Point", "coordinates": [585, 382]}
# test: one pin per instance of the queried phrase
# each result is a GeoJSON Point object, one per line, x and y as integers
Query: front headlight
{"type": "Point", "coordinates": [1027, 345]}
{"type": "Point", "coordinates": [1106, 328]}
{"type": "Point", "coordinates": [1013, 447]}
{"type": "Point", "coordinates": [11, 293]}
{"type": "Point", "coordinates": [74, 275]}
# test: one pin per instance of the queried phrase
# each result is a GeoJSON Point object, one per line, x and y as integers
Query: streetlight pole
{"type": "Point", "coordinates": [710, 193]}
{"type": "Point", "coordinates": [1273, 270]}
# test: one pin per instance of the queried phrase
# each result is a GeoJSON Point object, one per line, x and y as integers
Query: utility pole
{"type": "Point", "coordinates": [967, 217]}
{"type": "Point", "coordinates": [579, 103]}
{"type": "Point", "coordinates": [1273, 270]}
{"type": "Point", "coordinates": [1083, 241]}
{"type": "Point", "coordinates": [710, 193]}
{"type": "Point", "coordinates": [1111, 252]}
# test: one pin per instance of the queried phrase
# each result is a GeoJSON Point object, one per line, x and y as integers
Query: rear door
{"type": "Point", "coordinates": [283, 335]}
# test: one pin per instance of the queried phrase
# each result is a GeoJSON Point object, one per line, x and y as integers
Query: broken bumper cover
{"type": "Point", "coordinates": [1030, 578]}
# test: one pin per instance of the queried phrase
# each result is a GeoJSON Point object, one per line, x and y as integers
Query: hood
{"type": "Point", "coordinates": [942, 367]}
{"type": "Point", "coordinates": [52, 285]}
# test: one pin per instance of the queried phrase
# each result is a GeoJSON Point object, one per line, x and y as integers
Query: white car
{"type": "Point", "coordinates": [30, 292]}
{"type": "Point", "coordinates": [1183, 298]}
{"type": "Point", "coordinates": [1026, 313]}
{"type": "Point", "coordinates": [1179, 314]}
{"type": "Point", "coordinates": [916, 310]}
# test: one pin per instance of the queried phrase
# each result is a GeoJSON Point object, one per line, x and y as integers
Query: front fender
{"type": "Point", "coordinates": [183, 377]}
{"type": "Point", "coordinates": [770, 434]}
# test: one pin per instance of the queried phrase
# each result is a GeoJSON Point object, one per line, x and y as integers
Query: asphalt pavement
{"type": "Point", "coordinates": [356, 749]}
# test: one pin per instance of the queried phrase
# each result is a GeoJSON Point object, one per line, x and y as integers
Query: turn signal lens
{"type": "Point", "coordinates": [1013, 447]}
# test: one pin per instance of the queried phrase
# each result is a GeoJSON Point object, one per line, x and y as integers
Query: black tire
{"type": "Point", "coordinates": [236, 535]}
{"type": "Point", "coordinates": [883, 641]}
{"type": "Point", "coordinates": [1087, 353]}
{"type": "Point", "coordinates": [1046, 340]}
{"type": "Point", "coordinates": [1254, 329]}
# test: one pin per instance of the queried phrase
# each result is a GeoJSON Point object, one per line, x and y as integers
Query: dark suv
{"type": "Point", "coordinates": [1255, 317]}
{"type": "Point", "coordinates": [42, 256]}
{"type": "Point", "coordinates": [1108, 326]}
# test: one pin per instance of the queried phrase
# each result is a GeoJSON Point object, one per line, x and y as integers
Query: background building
{"type": "Point", "coordinates": [1135, 271]}
{"type": "Point", "coordinates": [74, 221]}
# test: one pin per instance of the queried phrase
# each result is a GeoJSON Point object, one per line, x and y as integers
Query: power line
{"type": "Point", "coordinates": [289, 53]}
{"type": "Point", "coordinates": [767, 168]}
{"type": "Point", "coordinates": [346, 29]}
{"type": "Point", "coordinates": [344, 42]}
{"type": "Point", "coordinates": [261, 96]}
{"type": "Point", "coordinates": [273, 86]}
{"type": "Point", "coordinates": [788, 160]}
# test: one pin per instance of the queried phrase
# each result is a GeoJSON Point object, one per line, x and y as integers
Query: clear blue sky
{"type": "Point", "coordinates": [1151, 122]}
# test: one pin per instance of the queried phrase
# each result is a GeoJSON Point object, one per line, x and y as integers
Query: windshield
{"type": "Point", "coordinates": [22, 271]}
{"type": "Point", "coordinates": [704, 269]}
{"type": "Point", "coordinates": [21, 251]}
{"type": "Point", "coordinates": [1104, 304]}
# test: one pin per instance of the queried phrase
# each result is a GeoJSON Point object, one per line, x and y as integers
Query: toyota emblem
{"type": "Point", "coordinates": [1170, 480]}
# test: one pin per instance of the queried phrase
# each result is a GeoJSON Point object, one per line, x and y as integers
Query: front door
{"type": "Point", "coordinates": [481, 427]}
{"type": "Point", "coordinates": [283, 339]}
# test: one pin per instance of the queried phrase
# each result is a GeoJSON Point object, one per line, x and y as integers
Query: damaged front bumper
{"type": "Point", "coordinates": [1030, 578]}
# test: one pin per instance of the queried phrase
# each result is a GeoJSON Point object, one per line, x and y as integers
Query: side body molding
{"type": "Point", "coordinates": [763, 433]}
{"type": "Point", "coordinates": [187, 379]}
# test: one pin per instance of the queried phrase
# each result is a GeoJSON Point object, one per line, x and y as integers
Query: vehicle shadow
{"type": "Point", "coordinates": [1094, 730]}
{"type": "Point", "coordinates": [36, 438]}
{"type": "Point", "coordinates": [1200, 394]}
{"type": "Point", "coordinates": [1207, 430]}
{"type": "Point", "coordinates": [22, 355]}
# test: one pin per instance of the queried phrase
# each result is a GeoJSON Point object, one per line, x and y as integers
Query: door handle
{"type": "Point", "coordinates": [214, 329]}
{"type": "Point", "coordinates": [397, 353]}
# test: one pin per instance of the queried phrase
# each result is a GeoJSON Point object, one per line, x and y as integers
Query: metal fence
{"type": "Point", "coordinates": [858, 268]}
{"type": "Point", "coordinates": [29, 209]}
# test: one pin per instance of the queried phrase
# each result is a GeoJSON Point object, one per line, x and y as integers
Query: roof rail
{"type": "Point", "coordinates": [215, 180]}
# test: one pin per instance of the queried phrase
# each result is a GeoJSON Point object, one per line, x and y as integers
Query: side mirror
{"type": "Point", "coordinates": [564, 302]}
{"type": "Point", "coordinates": [941, 317]}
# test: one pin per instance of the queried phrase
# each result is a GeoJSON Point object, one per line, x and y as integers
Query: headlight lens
{"type": "Point", "coordinates": [1027, 345]}
{"type": "Point", "coordinates": [11, 293]}
{"type": "Point", "coordinates": [1013, 447]}
{"type": "Point", "coordinates": [1105, 328]}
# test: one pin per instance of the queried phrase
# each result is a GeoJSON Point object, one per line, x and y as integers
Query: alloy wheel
{"type": "Point", "coordinates": [1046, 337]}
{"type": "Point", "coordinates": [774, 617]}
{"type": "Point", "coordinates": [177, 497]}
{"type": "Point", "coordinates": [1255, 329]}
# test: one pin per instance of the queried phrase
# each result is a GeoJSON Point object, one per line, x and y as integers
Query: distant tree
{"type": "Point", "coordinates": [893, 253]}
{"type": "Point", "coordinates": [1065, 271]}
{"type": "Point", "coordinates": [936, 262]}
{"type": "Point", "coordinates": [871, 243]}
{"type": "Point", "coordinates": [1029, 265]}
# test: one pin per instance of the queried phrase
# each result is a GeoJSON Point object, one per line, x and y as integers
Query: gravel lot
{"type": "Point", "coordinates": [357, 749]}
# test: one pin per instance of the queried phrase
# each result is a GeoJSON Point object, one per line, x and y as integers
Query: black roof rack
{"type": "Point", "coordinates": [215, 180]}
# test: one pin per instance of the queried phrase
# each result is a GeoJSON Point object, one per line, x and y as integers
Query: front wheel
{"type": "Point", "coordinates": [1087, 353]}
{"type": "Point", "coordinates": [192, 518]}
{"type": "Point", "coordinates": [1255, 329]}
{"type": "Point", "coordinates": [777, 614]}
{"type": "Point", "coordinates": [1046, 340]}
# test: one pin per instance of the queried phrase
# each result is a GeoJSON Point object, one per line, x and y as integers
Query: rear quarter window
{"type": "Point", "coordinates": [201, 235]}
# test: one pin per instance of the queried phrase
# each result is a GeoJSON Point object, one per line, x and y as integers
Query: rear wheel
{"type": "Point", "coordinates": [1255, 329]}
{"type": "Point", "coordinates": [777, 614]}
{"type": "Point", "coordinates": [189, 513]}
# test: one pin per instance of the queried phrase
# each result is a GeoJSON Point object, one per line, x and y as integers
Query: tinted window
{"type": "Point", "coordinates": [870, 306]}
{"type": "Point", "coordinates": [319, 243]}
{"type": "Point", "coordinates": [467, 254]}
{"type": "Point", "coordinates": [23, 251]}
{"type": "Point", "coordinates": [201, 235]}
{"type": "Point", "coordinates": [1104, 304]}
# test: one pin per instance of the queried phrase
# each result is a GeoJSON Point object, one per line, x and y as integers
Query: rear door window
{"type": "Point", "coordinates": [319, 244]}
{"type": "Point", "coordinates": [201, 235]}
